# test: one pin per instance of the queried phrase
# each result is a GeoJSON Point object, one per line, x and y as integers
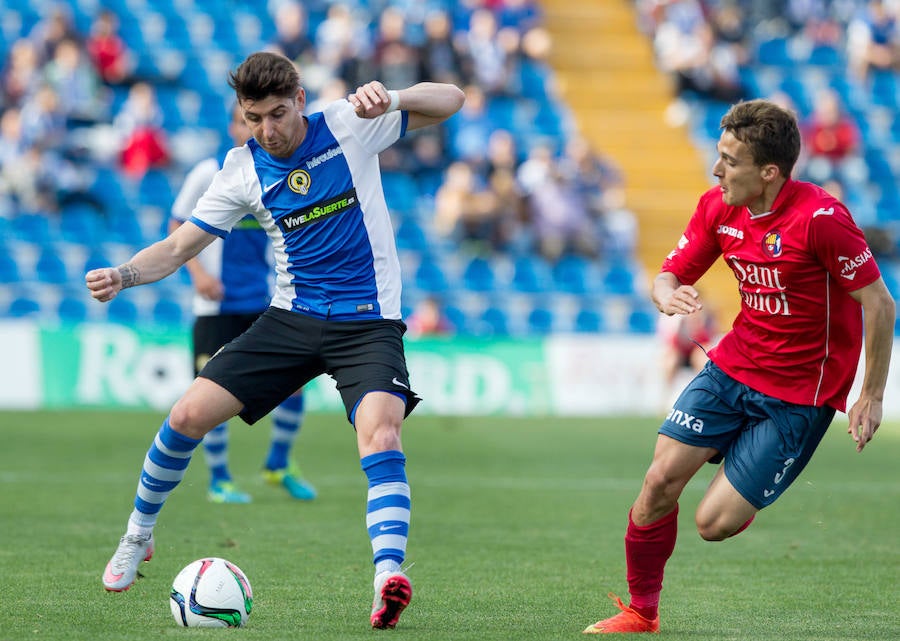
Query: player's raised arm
{"type": "Point", "coordinates": [428, 103]}
{"type": "Point", "coordinates": [149, 265]}
{"type": "Point", "coordinates": [878, 310]}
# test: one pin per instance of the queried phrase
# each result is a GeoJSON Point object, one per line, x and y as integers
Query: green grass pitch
{"type": "Point", "coordinates": [517, 533]}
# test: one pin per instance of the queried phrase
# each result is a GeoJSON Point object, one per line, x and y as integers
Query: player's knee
{"type": "Point", "coordinates": [717, 527]}
{"type": "Point", "coordinates": [184, 418]}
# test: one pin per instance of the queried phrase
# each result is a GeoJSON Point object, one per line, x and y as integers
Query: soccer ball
{"type": "Point", "coordinates": [211, 593]}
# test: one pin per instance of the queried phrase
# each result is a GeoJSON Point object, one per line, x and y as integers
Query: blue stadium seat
{"type": "Point", "coordinates": [71, 310]}
{"type": "Point", "coordinates": [430, 277]}
{"type": "Point", "coordinates": [825, 55]}
{"type": "Point", "coordinates": [619, 280]}
{"type": "Point", "coordinates": [478, 275]}
{"type": "Point", "coordinates": [774, 52]}
{"type": "Point", "coordinates": [33, 227]}
{"type": "Point", "coordinates": [570, 274]}
{"type": "Point", "coordinates": [642, 321]}
{"type": "Point", "coordinates": [531, 274]}
{"type": "Point", "coordinates": [400, 191]}
{"type": "Point", "coordinates": [168, 313]}
{"type": "Point", "coordinates": [495, 321]}
{"type": "Point", "coordinates": [9, 268]}
{"type": "Point", "coordinates": [50, 267]}
{"type": "Point", "coordinates": [123, 311]}
{"type": "Point", "coordinates": [410, 235]}
{"type": "Point", "coordinates": [80, 222]}
{"type": "Point", "coordinates": [155, 188]}
{"type": "Point", "coordinates": [589, 321]}
{"type": "Point", "coordinates": [540, 320]}
{"type": "Point", "coordinates": [457, 318]}
{"type": "Point", "coordinates": [24, 306]}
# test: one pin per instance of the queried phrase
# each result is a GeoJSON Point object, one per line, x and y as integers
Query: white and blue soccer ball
{"type": "Point", "coordinates": [211, 593]}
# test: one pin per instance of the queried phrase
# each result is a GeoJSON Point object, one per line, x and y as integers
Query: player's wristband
{"type": "Point", "coordinates": [395, 101]}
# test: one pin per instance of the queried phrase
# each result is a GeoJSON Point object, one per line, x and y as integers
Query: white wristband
{"type": "Point", "coordinates": [395, 101]}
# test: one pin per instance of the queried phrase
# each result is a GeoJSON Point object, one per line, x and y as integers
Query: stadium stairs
{"type": "Point", "coordinates": [607, 75]}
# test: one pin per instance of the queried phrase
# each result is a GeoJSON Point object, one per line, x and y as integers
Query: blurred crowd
{"type": "Point", "coordinates": [509, 174]}
{"type": "Point", "coordinates": [708, 46]}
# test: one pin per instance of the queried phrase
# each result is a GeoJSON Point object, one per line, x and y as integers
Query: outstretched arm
{"type": "Point", "coordinates": [428, 103]}
{"type": "Point", "coordinates": [149, 265]}
{"type": "Point", "coordinates": [878, 309]}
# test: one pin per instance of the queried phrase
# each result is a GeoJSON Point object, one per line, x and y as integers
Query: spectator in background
{"type": "Point", "coordinates": [139, 122]}
{"type": "Point", "coordinates": [22, 73]}
{"type": "Point", "coordinates": [442, 59]}
{"type": "Point", "coordinates": [873, 40]}
{"type": "Point", "coordinates": [560, 222]}
{"type": "Point", "coordinates": [43, 120]}
{"type": "Point", "coordinates": [831, 139]}
{"type": "Point", "coordinates": [428, 319]}
{"type": "Point", "coordinates": [291, 35]}
{"type": "Point", "coordinates": [600, 186]}
{"type": "Point", "coordinates": [686, 48]}
{"type": "Point", "coordinates": [471, 127]}
{"type": "Point", "coordinates": [24, 185]}
{"type": "Point", "coordinates": [51, 30]}
{"type": "Point", "coordinates": [112, 58]}
{"type": "Point", "coordinates": [77, 84]}
{"type": "Point", "coordinates": [684, 341]}
{"type": "Point", "coordinates": [342, 44]}
{"type": "Point", "coordinates": [396, 62]}
{"type": "Point", "coordinates": [489, 52]}
{"type": "Point", "coordinates": [502, 152]}
{"type": "Point", "coordinates": [462, 207]}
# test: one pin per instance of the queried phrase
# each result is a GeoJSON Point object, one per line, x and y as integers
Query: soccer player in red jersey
{"type": "Point", "coordinates": [809, 287]}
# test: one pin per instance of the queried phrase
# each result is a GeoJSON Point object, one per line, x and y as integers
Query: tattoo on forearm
{"type": "Point", "coordinates": [130, 275]}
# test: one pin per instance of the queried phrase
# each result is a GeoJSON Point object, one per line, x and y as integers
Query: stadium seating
{"type": "Point", "coordinates": [185, 47]}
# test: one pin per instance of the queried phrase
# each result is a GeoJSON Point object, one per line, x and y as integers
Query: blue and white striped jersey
{"type": "Point", "coordinates": [324, 211]}
{"type": "Point", "coordinates": [242, 261]}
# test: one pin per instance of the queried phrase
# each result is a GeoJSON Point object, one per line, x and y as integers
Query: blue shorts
{"type": "Point", "coordinates": [765, 442]}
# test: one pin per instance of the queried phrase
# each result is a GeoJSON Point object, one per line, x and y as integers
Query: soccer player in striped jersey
{"type": "Point", "coordinates": [232, 281]}
{"type": "Point", "coordinates": [314, 185]}
{"type": "Point", "coordinates": [810, 291]}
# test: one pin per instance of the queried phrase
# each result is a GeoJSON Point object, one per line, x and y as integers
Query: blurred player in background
{"type": "Point", "coordinates": [685, 339]}
{"type": "Point", "coordinates": [809, 287]}
{"type": "Point", "coordinates": [232, 286]}
{"type": "Point", "coordinates": [314, 185]}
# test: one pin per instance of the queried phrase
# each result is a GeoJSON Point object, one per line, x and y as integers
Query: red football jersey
{"type": "Point", "coordinates": [799, 333]}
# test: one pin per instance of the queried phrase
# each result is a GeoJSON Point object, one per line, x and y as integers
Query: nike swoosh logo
{"type": "Point", "coordinates": [823, 212]}
{"type": "Point", "coordinates": [396, 382]}
{"type": "Point", "coordinates": [270, 187]}
{"type": "Point", "coordinates": [385, 528]}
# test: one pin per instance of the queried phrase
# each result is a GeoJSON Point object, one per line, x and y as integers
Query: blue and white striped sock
{"type": "Point", "coordinates": [164, 467]}
{"type": "Point", "coordinates": [387, 508]}
{"type": "Point", "coordinates": [287, 419]}
{"type": "Point", "coordinates": [215, 450]}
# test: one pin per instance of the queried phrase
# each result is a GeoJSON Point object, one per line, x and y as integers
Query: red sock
{"type": "Point", "coordinates": [743, 527]}
{"type": "Point", "coordinates": [647, 548]}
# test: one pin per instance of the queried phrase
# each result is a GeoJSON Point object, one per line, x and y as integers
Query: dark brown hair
{"type": "Point", "coordinates": [264, 74]}
{"type": "Point", "coordinates": [770, 132]}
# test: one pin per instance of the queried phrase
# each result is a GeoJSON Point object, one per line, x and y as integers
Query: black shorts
{"type": "Point", "coordinates": [282, 351]}
{"type": "Point", "coordinates": [212, 332]}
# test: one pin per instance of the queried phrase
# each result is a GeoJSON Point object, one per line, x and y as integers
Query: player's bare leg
{"type": "Point", "coordinates": [723, 512]}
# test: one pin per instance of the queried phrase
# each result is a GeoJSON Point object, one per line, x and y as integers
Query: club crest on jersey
{"type": "Point", "coordinates": [299, 181]}
{"type": "Point", "coordinates": [771, 244]}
